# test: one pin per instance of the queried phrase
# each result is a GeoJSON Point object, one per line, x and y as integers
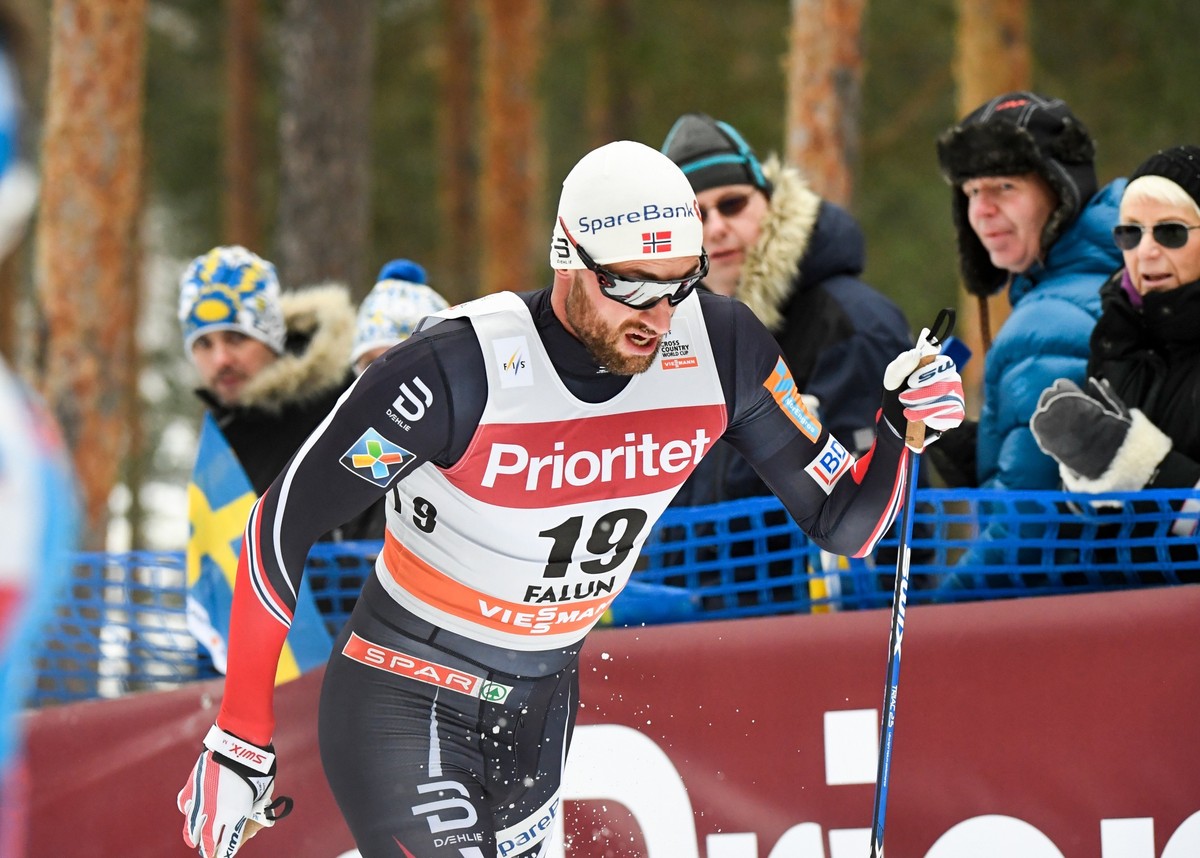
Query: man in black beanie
{"type": "Point", "coordinates": [795, 260]}
{"type": "Point", "coordinates": [1028, 216]}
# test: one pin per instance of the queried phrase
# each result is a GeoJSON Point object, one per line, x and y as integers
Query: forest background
{"type": "Point", "coordinates": [418, 84]}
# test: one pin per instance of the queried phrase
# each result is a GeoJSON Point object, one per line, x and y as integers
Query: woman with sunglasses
{"type": "Point", "coordinates": [1135, 424]}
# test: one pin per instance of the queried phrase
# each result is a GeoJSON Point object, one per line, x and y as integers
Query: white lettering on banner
{"type": "Point", "coordinates": [637, 458]}
{"type": "Point", "coordinates": [600, 767]}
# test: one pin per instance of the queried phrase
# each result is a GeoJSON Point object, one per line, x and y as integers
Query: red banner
{"type": "Point", "coordinates": [1048, 728]}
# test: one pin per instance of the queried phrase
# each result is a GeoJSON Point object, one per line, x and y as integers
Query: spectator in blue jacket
{"type": "Point", "coordinates": [1028, 216]}
{"type": "Point", "coordinates": [796, 260]}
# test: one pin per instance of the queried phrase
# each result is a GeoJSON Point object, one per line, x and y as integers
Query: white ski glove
{"type": "Point", "coordinates": [922, 386]}
{"type": "Point", "coordinates": [228, 796]}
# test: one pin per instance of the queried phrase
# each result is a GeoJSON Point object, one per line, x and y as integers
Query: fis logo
{"type": "Point", "coordinates": [830, 464]}
{"type": "Point", "coordinates": [512, 360]}
{"type": "Point", "coordinates": [376, 459]}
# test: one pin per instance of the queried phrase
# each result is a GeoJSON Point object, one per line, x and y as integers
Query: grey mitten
{"type": "Point", "coordinates": [1099, 443]}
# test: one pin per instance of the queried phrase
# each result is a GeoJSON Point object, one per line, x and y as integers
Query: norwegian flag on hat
{"type": "Point", "coordinates": [656, 242]}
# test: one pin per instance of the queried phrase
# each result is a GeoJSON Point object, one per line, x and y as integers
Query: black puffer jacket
{"type": "Point", "coordinates": [1151, 357]}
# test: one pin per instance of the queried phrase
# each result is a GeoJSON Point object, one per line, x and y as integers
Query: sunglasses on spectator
{"type": "Point", "coordinates": [1171, 235]}
{"type": "Point", "coordinates": [641, 294]}
{"type": "Point", "coordinates": [730, 206]}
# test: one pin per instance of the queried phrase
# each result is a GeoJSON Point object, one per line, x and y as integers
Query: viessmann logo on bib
{"type": "Point", "coordinates": [675, 350]}
{"type": "Point", "coordinates": [527, 465]}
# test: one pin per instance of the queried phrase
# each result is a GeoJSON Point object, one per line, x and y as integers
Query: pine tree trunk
{"type": "Point", "coordinates": [824, 83]}
{"type": "Point", "coordinates": [88, 232]}
{"type": "Point", "coordinates": [458, 242]}
{"type": "Point", "coordinates": [327, 51]}
{"type": "Point", "coordinates": [515, 234]}
{"type": "Point", "coordinates": [239, 193]}
{"type": "Point", "coordinates": [9, 295]}
{"type": "Point", "coordinates": [991, 56]}
{"type": "Point", "coordinates": [609, 102]}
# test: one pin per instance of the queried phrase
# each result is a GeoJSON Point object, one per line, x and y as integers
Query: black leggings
{"type": "Point", "coordinates": [429, 754]}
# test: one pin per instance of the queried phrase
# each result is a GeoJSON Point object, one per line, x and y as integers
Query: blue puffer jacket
{"type": "Point", "coordinates": [1055, 307]}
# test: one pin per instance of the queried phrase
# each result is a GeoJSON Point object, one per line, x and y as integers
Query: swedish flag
{"type": "Point", "coordinates": [219, 501]}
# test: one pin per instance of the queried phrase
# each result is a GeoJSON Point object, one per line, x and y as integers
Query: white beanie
{"type": "Point", "coordinates": [625, 201]}
{"type": "Point", "coordinates": [390, 312]}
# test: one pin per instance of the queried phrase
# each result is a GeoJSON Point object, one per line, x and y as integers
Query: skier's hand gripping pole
{"type": "Point", "coordinates": [928, 394]}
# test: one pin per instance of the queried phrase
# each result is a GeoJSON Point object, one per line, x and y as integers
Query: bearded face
{"type": "Point", "coordinates": [625, 346]}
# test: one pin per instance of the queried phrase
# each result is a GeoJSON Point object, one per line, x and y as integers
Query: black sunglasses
{"type": "Point", "coordinates": [727, 206]}
{"type": "Point", "coordinates": [1172, 235]}
{"type": "Point", "coordinates": [641, 294]}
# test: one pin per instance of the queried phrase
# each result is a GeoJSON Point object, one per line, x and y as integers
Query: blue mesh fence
{"type": "Point", "coordinates": [120, 624]}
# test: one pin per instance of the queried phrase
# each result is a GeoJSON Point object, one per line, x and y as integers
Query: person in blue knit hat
{"type": "Point", "coordinates": [390, 312]}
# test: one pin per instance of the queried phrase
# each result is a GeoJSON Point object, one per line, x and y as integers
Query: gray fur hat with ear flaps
{"type": "Point", "coordinates": [1014, 134]}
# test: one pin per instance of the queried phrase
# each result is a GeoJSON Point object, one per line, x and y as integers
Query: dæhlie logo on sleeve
{"type": "Point", "coordinates": [512, 361]}
{"type": "Point", "coordinates": [376, 459]}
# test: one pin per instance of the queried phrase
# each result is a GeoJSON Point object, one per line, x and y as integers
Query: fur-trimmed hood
{"type": "Point", "coordinates": [316, 358]}
{"type": "Point", "coordinates": [785, 258]}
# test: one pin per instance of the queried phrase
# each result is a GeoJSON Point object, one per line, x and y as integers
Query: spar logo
{"type": "Point", "coordinates": [527, 465]}
{"type": "Point", "coordinates": [422, 670]}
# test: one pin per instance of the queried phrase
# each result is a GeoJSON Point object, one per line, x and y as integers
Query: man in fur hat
{"type": "Point", "coordinates": [1028, 216]}
{"type": "Point", "coordinates": [795, 260]}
